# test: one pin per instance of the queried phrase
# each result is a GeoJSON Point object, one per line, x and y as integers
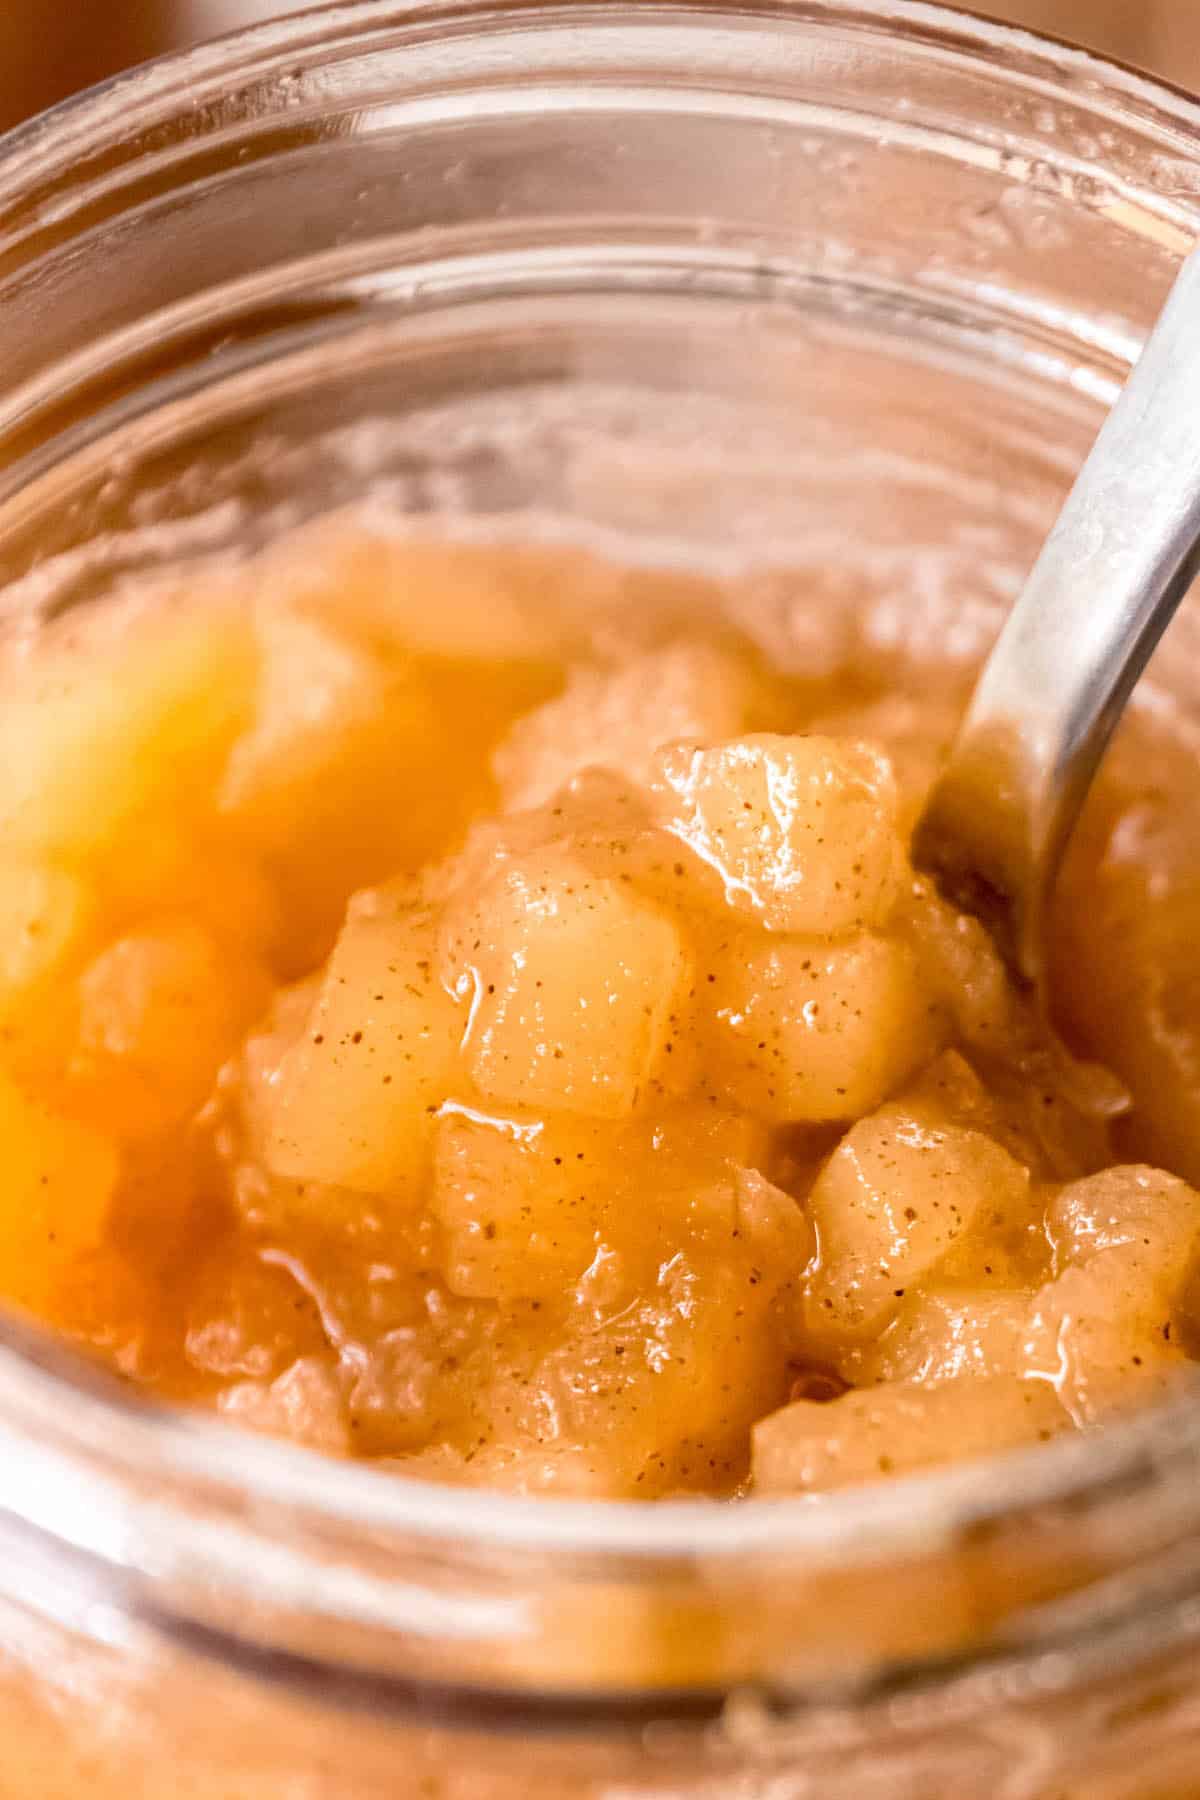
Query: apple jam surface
{"type": "Point", "coordinates": [468, 1005]}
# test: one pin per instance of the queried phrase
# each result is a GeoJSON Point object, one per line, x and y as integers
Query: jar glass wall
{"type": "Point", "coordinates": [854, 282]}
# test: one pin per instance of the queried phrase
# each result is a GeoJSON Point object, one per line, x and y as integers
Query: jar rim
{"type": "Point", "coordinates": [47, 169]}
{"type": "Point", "coordinates": [52, 148]}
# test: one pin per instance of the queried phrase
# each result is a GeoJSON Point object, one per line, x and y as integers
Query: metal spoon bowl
{"type": "Point", "coordinates": [1109, 578]}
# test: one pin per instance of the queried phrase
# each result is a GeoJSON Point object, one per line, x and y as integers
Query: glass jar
{"type": "Point", "coordinates": [852, 278]}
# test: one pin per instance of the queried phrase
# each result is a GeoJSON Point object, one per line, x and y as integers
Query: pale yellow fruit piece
{"type": "Point", "coordinates": [1030, 1117]}
{"type": "Point", "coordinates": [895, 1199]}
{"type": "Point", "coordinates": [947, 1333]}
{"type": "Point", "coordinates": [528, 1203]}
{"type": "Point", "coordinates": [261, 1063]}
{"type": "Point", "coordinates": [961, 968]}
{"type": "Point", "coordinates": [332, 785]}
{"type": "Point", "coordinates": [354, 1101]}
{"type": "Point", "coordinates": [522, 1201]}
{"type": "Point", "coordinates": [801, 831]}
{"type": "Point", "coordinates": [159, 1012]}
{"type": "Point", "coordinates": [1102, 1344]}
{"type": "Point", "coordinates": [59, 1178]}
{"type": "Point", "coordinates": [1135, 1228]}
{"type": "Point", "coordinates": [617, 718]}
{"type": "Point", "coordinates": [575, 986]}
{"type": "Point", "coordinates": [603, 820]}
{"type": "Point", "coordinates": [46, 914]}
{"type": "Point", "coordinates": [805, 1030]}
{"type": "Point", "coordinates": [55, 925]}
{"type": "Point", "coordinates": [1125, 1244]}
{"type": "Point", "coordinates": [1100, 1334]}
{"type": "Point", "coordinates": [322, 705]}
{"type": "Point", "coordinates": [879, 1432]}
{"type": "Point", "coordinates": [270, 1202]}
{"type": "Point", "coordinates": [654, 1398]}
{"type": "Point", "coordinates": [303, 1404]}
{"type": "Point", "coordinates": [95, 734]}
{"type": "Point", "coordinates": [916, 729]}
{"type": "Point", "coordinates": [772, 1224]}
{"type": "Point", "coordinates": [950, 1092]}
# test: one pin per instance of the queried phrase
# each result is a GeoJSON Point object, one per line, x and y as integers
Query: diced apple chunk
{"type": "Point", "coordinates": [1125, 1242]}
{"type": "Point", "coordinates": [59, 1178]}
{"type": "Point", "coordinates": [261, 1061]}
{"type": "Point", "coordinates": [802, 832]}
{"type": "Point", "coordinates": [961, 968]}
{"type": "Point", "coordinates": [804, 1030]}
{"type": "Point", "coordinates": [96, 734]}
{"type": "Point", "coordinates": [1136, 1227]}
{"type": "Point", "coordinates": [354, 1101]}
{"type": "Point", "coordinates": [1100, 1347]}
{"type": "Point", "coordinates": [892, 1203]}
{"type": "Point", "coordinates": [332, 784]}
{"type": "Point", "coordinates": [915, 728]}
{"type": "Point", "coordinates": [1101, 1333]}
{"type": "Point", "coordinates": [617, 718]}
{"type": "Point", "coordinates": [265, 1200]}
{"type": "Point", "coordinates": [521, 1200]}
{"type": "Point", "coordinates": [942, 1333]}
{"type": "Point", "coordinates": [45, 916]}
{"type": "Point", "coordinates": [866, 1436]}
{"type": "Point", "coordinates": [657, 1398]}
{"type": "Point", "coordinates": [48, 922]}
{"type": "Point", "coordinates": [160, 1011]}
{"type": "Point", "coordinates": [528, 1202]}
{"type": "Point", "coordinates": [575, 983]}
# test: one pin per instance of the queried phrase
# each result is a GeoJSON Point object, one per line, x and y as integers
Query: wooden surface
{"type": "Point", "coordinates": [1163, 35]}
{"type": "Point", "coordinates": [49, 48]}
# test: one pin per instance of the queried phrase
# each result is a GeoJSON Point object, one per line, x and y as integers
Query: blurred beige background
{"type": "Point", "coordinates": [1163, 35]}
{"type": "Point", "coordinates": [51, 47]}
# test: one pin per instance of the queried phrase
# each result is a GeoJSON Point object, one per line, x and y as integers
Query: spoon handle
{"type": "Point", "coordinates": [1103, 590]}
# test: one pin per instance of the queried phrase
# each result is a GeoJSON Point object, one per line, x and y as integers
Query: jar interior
{"type": "Point", "coordinates": [825, 309]}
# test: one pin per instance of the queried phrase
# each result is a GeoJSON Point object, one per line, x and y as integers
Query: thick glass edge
{"type": "Point", "coordinates": [114, 113]}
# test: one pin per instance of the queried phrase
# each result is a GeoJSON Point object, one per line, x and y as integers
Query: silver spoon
{"type": "Point", "coordinates": [1110, 576]}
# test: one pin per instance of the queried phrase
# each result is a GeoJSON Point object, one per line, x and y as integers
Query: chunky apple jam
{"type": "Point", "coordinates": [469, 1006]}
